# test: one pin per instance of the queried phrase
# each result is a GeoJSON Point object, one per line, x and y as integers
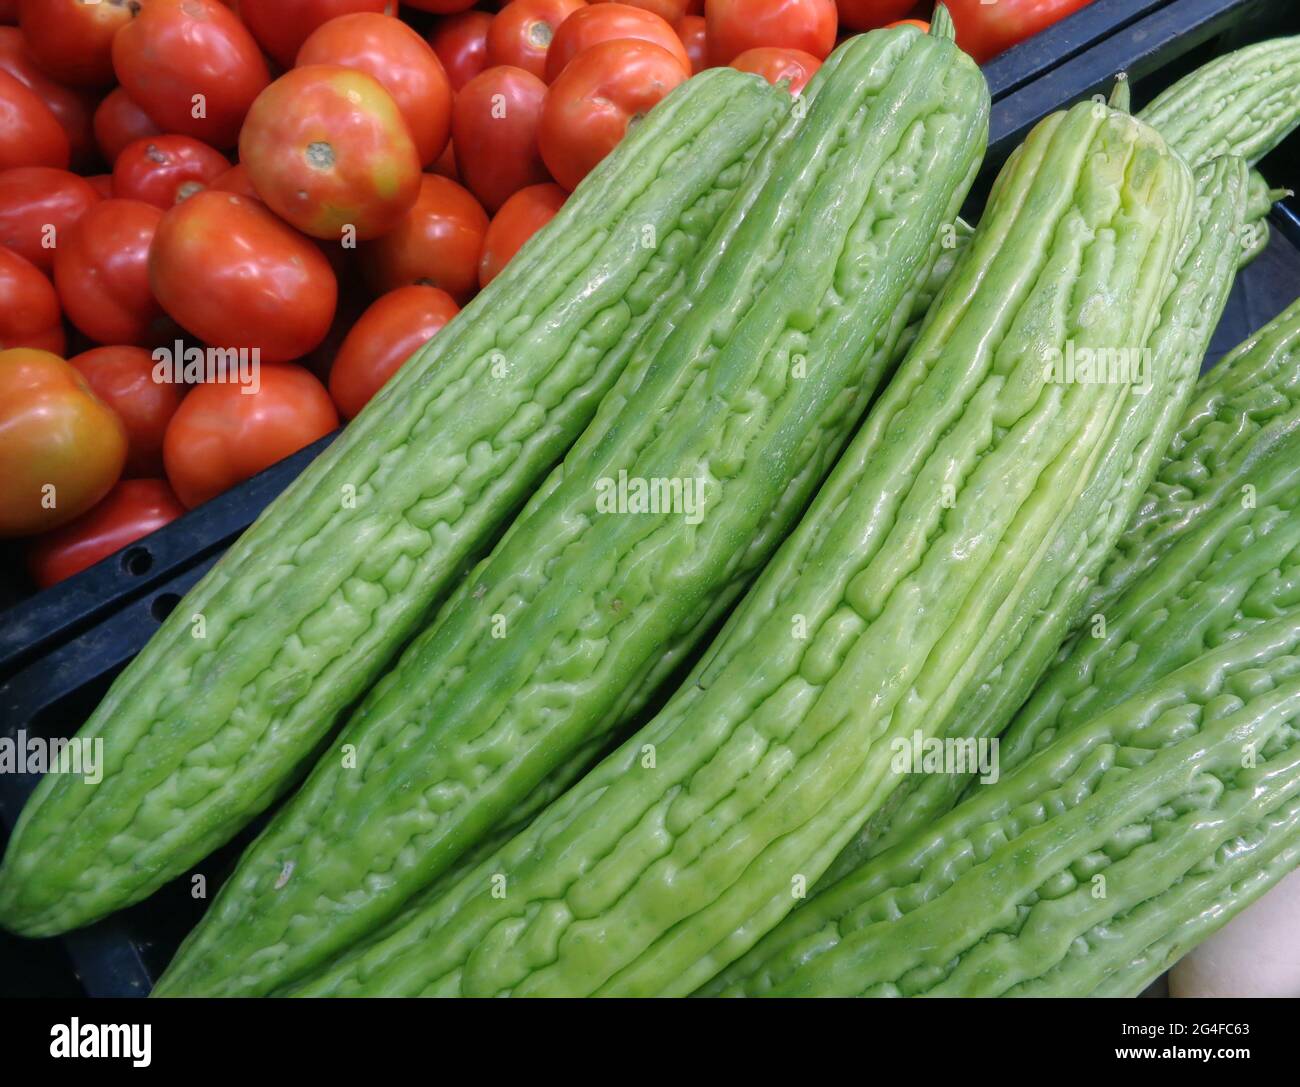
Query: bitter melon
{"type": "Point", "coordinates": [233, 695]}
{"type": "Point", "coordinates": [752, 397]}
{"type": "Point", "coordinates": [674, 855]}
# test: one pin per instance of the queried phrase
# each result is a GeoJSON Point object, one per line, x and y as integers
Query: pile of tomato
{"type": "Point", "coordinates": [321, 184]}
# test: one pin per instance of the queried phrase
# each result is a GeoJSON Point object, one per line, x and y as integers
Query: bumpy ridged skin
{"type": "Point", "coordinates": [1088, 869]}
{"type": "Point", "coordinates": [302, 614]}
{"type": "Point", "coordinates": [681, 849]}
{"type": "Point", "coordinates": [1125, 468]}
{"type": "Point", "coordinates": [547, 641]}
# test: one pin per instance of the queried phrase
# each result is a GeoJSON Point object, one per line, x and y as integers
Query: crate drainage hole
{"type": "Point", "coordinates": [163, 605]}
{"type": "Point", "coordinates": [137, 561]}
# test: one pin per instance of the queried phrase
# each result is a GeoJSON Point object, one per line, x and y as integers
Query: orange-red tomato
{"type": "Point", "coordinates": [494, 123]}
{"type": "Point", "coordinates": [124, 378]}
{"type": "Point", "coordinates": [920, 24]}
{"type": "Point", "coordinates": [522, 32]}
{"type": "Point", "coordinates": [192, 66]}
{"type": "Point", "coordinates": [670, 11]}
{"type": "Point", "coordinates": [103, 184]}
{"type": "Point", "coordinates": [690, 28]}
{"type": "Point", "coordinates": [440, 7]}
{"type": "Point", "coordinates": [520, 217]}
{"type": "Point", "coordinates": [164, 170]}
{"type": "Point", "coordinates": [235, 180]}
{"type": "Point", "coordinates": [870, 14]}
{"type": "Point", "coordinates": [461, 44]}
{"type": "Point", "coordinates": [73, 109]}
{"type": "Point", "coordinates": [446, 164]}
{"type": "Point", "coordinates": [793, 65]}
{"type": "Point", "coordinates": [29, 306]}
{"type": "Point", "coordinates": [129, 512]}
{"type": "Point", "coordinates": [438, 243]}
{"type": "Point", "coordinates": [30, 135]}
{"type": "Point", "coordinates": [328, 150]}
{"type": "Point", "coordinates": [235, 276]}
{"type": "Point", "coordinates": [737, 25]}
{"type": "Point", "coordinates": [589, 107]}
{"type": "Point", "coordinates": [403, 62]}
{"type": "Point", "coordinates": [985, 30]}
{"type": "Point", "coordinates": [222, 434]}
{"type": "Point", "coordinates": [61, 448]}
{"type": "Point", "coordinates": [73, 40]}
{"type": "Point", "coordinates": [281, 26]}
{"type": "Point", "coordinates": [386, 335]}
{"type": "Point", "coordinates": [608, 22]}
{"type": "Point", "coordinates": [37, 205]}
{"type": "Point", "coordinates": [101, 270]}
{"type": "Point", "coordinates": [119, 121]}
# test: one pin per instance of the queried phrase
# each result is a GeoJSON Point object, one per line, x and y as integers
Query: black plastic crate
{"type": "Point", "coordinates": [62, 649]}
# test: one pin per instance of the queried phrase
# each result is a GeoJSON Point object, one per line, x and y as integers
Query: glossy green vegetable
{"type": "Point", "coordinates": [1089, 869]}
{"type": "Point", "coordinates": [674, 855]}
{"type": "Point", "coordinates": [236, 691]}
{"type": "Point", "coordinates": [581, 607]}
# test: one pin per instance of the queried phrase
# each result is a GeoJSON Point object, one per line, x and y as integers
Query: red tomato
{"type": "Point", "coordinates": [119, 121]}
{"type": "Point", "coordinates": [670, 11]}
{"type": "Point", "coordinates": [446, 164]}
{"type": "Point", "coordinates": [494, 123]}
{"type": "Point", "coordinates": [437, 244]}
{"type": "Point", "coordinates": [690, 28]}
{"type": "Point", "coordinates": [164, 170]}
{"type": "Point", "coordinates": [870, 14]}
{"type": "Point", "coordinates": [192, 66]}
{"type": "Point", "coordinates": [793, 65]}
{"type": "Point", "coordinates": [520, 217]}
{"type": "Point", "coordinates": [281, 26]}
{"type": "Point", "coordinates": [103, 184]}
{"type": "Point", "coordinates": [29, 306]}
{"type": "Point", "coordinates": [37, 204]}
{"type": "Point", "coordinates": [403, 62]}
{"type": "Point", "coordinates": [737, 25]}
{"type": "Point", "coordinates": [608, 22]}
{"type": "Point", "coordinates": [231, 273]}
{"type": "Point", "coordinates": [101, 270]}
{"type": "Point", "coordinates": [461, 44]}
{"type": "Point", "coordinates": [221, 434]}
{"type": "Point", "coordinates": [129, 512]}
{"type": "Point", "coordinates": [235, 180]}
{"type": "Point", "coordinates": [440, 7]}
{"type": "Point", "coordinates": [328, 151]}
{"type": "Point", "coordinates": [920, 24]}
{"type": "Point", "coordinates": [589, 106]}
{"type": "Point", "coordinates": [124, 379]}
{"type": "Point", "coordinates": [73, 109]}
{"type": "Point", "coordinates": [386, 335]}
{"type": "Point", "coordinates": [985, 30]}
{"type": "Point", "coordinates": [73, 40]}
{"type": "Point", "coordinates": [30, 135]}
{"type": "Point", "coordinates": [522, 32]}
{"type": "Point", "coordinates": [61, 449]}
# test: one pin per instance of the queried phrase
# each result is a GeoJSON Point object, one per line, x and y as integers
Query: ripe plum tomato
{"type": "Point", "coordinates": [118, 122]}
{"type": "Point", "coordinates": [29, 306]}
{"type": "Point", "coordinates": [61, 447]}
{"type": "Point", "coordinates": [871, 14]}
{"type": "Point", "coordinates": [385, 336]}
{"type": "Point", "coordinates": [129, 512]}
{"type": "Point", "coordinates": [124, 379]}
{"type": "Point", "coordinates": [597, 23]}
{"type": "Point", "coordinates": [192, 66]}
{"type": "Point", "coordinates": [522, 32]}
{"type": "Point", "coordinates": [30, 135]}
{"type": "Point", "coordinates": [438, 243]}
{"type": "Point", "coordinates": [520, 217]}
{"type": "Point", "coordinates": [281, 26]}
{"type": "Point", "coordinates": [494, 126]}
{"type": "Point", "coordinates": [793, 65]}
{"type": "Point", "coordinates": [403, 62]}
{"type": "Point", "coordinates": [37, 205]}
{"type": "Point", "coordinates": [461, 44]}
{"type": "Point", "coordinates": [737, 25]}
{"type": "Point", "coordinates": [329, 151]}
{"type": "Point", "coordinates": [164, 170]}
{"type": "Point", "coordinates": [589, 107]}
{"type": "Point", "coordinates": [670, 11]}
{"type": "Point", "coordinates": [221, 434]}
{"type": "Point", "coordinates": [985, 30]}
{"type": "Point", "coordinates": [235, 276]}
{"type": "Point", "coordinates": [73, 108]}
{"type": "Point", "coordinates": [690, 28]}
{"type": "Point", "coordinates": [101, 270]}
{"type": "Point", "coordinates": [72, 40]}
{"type": "Point", "coordinates": [235, 180]}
